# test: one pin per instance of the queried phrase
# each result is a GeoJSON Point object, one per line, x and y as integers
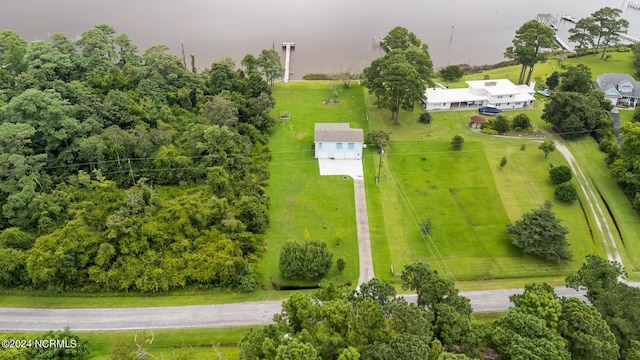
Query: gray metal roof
{"type": "Point", "coordinates": [337, 132]}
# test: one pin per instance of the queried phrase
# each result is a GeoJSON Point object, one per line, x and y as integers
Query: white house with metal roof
{"type": "Point", "coordinates": [337, 141]}
{"type": "Point", "coordinates": [500, 93]}
{"type": "Point", "coordinates": [618, 88]}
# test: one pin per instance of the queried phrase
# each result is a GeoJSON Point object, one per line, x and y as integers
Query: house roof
{"type": "Point", "coordinates": [481, 90]}
{"type": "Point", "coordinates": [337, 132]}
{"type": "Point", "coordinates": [478, 119]}
{"type": "Point", "coordinates": [609, 81]}
{"type": "Point", "coordinates": [497, 87]}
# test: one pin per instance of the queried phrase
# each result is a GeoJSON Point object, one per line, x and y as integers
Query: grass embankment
{"type": "Point", "coordinates": [302, 200]}
{"type": "Point", "coordinates": [618, 62]}
{"type": "Point", "coordinates": [626, 226]}
{"type": "Point", "coordinates": [196, 344]}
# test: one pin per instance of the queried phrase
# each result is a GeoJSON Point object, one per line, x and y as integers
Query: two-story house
{"type": "Point", "coordinates": [500, 93]}
{"type": "Point", "coordinates": [620, 89]}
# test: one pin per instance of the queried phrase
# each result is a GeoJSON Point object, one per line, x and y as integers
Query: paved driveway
{"type": "Point", "coordinates": [351, 168]}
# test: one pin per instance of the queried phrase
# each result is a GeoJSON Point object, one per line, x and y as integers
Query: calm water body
{"type": "Point", "coordinates": [330, 35]}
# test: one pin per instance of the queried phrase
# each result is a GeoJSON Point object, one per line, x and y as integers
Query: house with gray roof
{"type": "Point", "coordinates": [619, 88]}
{"type": "Point", "coordinates": [337, 141]}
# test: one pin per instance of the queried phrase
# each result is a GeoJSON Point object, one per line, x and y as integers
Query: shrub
{"type": "Point", "coordinates": [378, 138]}
{"type": "Point", "coordinates": [489, 131]}
{"type": "Point", "coordinates": [317, 77]}
{"type": "Point", "coordinates": [426, 226]}
{"type": "Point", "coordinates": [309, 260]}
{"type": "Point", "coordinates": [456, 142]}
{"type": "Point", "coordinates": [606, 145]}
{"type": "Point", "coordinates": [560, 174]}
{"type": "Point", "coordinates": [501, 124]}
{"type": "Point", "coordinates": [566, 192]}
{"type": "Point", "coordinates": [503, 162]}
{"type": "Point", "coordinates": [425, 118]}
{"type": "Point", "coordinates": [341, 264]}
{"type": "Point", "coordinates": [521, 122]}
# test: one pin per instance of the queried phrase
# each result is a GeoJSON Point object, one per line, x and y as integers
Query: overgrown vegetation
{"type": "Point", "coordinates": [374, 323]}
{"type": "Point", "coordinates": [128, 172]}
{"type": "Point", "coordinates": [308, 260]}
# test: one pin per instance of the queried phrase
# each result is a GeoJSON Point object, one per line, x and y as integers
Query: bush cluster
{"type": "Point", "coordinates": [565, 191]}
{"type": "Point", "coordinates": [502, 124]}
{"type": "Point", "coordinates": [307, 260]}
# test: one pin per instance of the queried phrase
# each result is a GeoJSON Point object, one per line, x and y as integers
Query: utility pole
{"type": "Point", "coordinates": [379, 167]}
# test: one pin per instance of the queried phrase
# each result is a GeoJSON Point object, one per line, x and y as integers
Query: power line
{"type": "Point", "coordinates": [431, 245]}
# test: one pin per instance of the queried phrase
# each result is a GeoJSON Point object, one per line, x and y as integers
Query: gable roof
{"type": "Point", "coordinates": [609, 81]}
{"type": "Point", "coordinates": [337, 132]}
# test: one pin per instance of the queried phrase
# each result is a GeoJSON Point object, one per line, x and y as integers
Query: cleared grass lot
{"type": "Point", "coordinates": [468, 198]}
{"type": "Point", "coordinates": [302, 200]}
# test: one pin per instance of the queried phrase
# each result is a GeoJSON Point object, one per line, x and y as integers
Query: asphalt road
{"type": "Point", "coordinates": [250, 313]}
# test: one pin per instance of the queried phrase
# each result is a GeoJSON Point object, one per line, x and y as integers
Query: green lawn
{"type": "Point", "coordinates": [626, 226]}
{"type": "Point", "coordinates": [302, 200]}
{"type": "Point", "coordinates": [196, 344]}
{"type": "Point", "coordinates": [468, 199]}
{"type": "Point", "coordinates": [618, 62]}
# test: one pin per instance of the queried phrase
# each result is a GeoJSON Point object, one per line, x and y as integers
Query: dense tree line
{"type": "Point", "coordinates": [624, 162]}
{"type": "Point", "coordinates": [52, 345]}
{"type": "Point", "coordinates": [374, 323]}
{"type": "Point", "coordinates": [371, 323]}
{"type": "Point", "coordinates": [128, 171]}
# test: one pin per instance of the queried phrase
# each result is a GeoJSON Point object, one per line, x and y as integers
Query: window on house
{"type": "Point", "coordinates": [351, 146]}
{"type": "Point", "coordinates": [339, 146]}
{"type": "Point", "coordinates": [319, 145]}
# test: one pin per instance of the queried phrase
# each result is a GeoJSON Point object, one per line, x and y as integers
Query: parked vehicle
{"type": "Point", "coordinates": [488, 110]}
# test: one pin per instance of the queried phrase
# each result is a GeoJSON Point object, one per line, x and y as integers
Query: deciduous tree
{"type": "Point", "coordinates": [540, 233]}
{"type": "Point", "coordinates": [451, 73]}
{"type": "Point", "coordinates": [378, 138]}
{"type": "Point", "coordinates": [548, 146]}
{"type": "Point", "coordinates": [270, 65]}
{"type": "Point", "coordinates": [577, 79]}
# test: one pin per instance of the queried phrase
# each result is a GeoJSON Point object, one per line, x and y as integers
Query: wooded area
{"type": "Point", "coordinates": [128, 172]}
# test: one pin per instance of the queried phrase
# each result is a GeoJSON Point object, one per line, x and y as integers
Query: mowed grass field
{"type": "Point", "coordinates": [468, 198]}
{"type": "Point", "coordinates": [617, 62]}
{"type": "Point", "coordinates": [302, 201]}
{"type": "Point", "coordinates": [196, 344]}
